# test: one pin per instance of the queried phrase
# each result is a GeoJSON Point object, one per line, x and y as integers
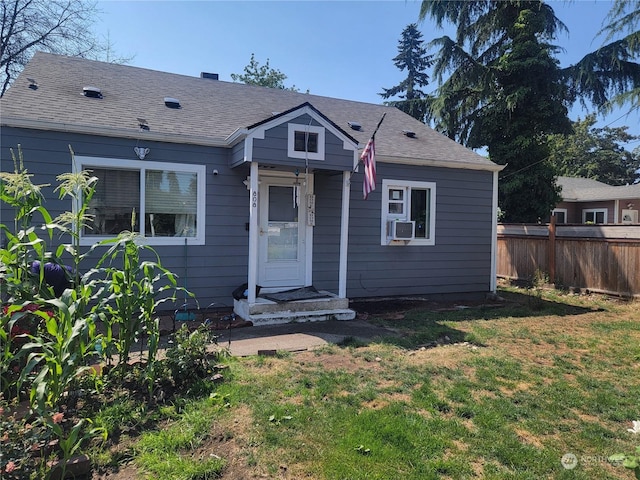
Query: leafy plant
{"type": "Point", "coordinates": [134, 295]}
{"type": "Point", "coordinates": [188, 359]}
{"type": "Point", "coordinates": [630, 461]}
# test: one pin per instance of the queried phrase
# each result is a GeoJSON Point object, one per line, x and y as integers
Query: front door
{"type": "Point", "coordinates": [282, 255]}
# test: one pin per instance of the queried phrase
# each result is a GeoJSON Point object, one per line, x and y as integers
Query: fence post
{"type": "Point", "coordinates": [552, 250]}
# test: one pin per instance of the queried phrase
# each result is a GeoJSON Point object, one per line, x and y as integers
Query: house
{"type": "Point", "coordinates": [236, 184]}
{"type": "Point", "coordinates": [588, 201]}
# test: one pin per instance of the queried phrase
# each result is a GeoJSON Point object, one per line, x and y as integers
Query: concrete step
{"type": "Point", "coordinates": [281, 317]}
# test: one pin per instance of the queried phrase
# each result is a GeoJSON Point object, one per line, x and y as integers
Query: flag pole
{"type": "Point", "coordinates": [372, 136]}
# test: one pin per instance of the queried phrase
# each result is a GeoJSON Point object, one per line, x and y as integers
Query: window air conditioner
{"type": "Point", "coordinates": [401, 230]}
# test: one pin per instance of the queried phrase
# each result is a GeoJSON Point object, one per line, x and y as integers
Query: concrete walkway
{"type": "Point", "coordinates": [296, 337]}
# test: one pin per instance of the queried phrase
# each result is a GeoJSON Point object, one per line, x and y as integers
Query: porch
{"type": "Point", "coordinates": [266, 311]}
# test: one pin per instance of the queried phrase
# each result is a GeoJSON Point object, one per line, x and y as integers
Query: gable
{"type": "Point", "coordinates": [276, 141]}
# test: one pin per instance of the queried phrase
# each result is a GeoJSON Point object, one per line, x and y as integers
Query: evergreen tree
{"type": "Point", "coordinates": [412, 57]}
{"type": "Point", "coordinates": [504, 92]}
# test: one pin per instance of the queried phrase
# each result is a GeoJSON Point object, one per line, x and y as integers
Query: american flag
{"type": "Point", "coordinates": [368, 158]}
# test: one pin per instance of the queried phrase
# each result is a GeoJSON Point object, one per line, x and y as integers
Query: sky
{"type": "Point", "coordinates": [334, 48]}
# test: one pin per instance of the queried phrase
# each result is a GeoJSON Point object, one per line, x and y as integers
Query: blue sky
{"type": "Point", "coordinates": [341, 49]}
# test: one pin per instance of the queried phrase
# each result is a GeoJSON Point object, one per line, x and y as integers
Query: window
{"type": "Point", "coordinates": [560, 214]}
{"type": "Point", "coordinates": [594, 215]}
{"type": "Point", "coordinates": [409, 201]}
{"type": "Point", "coordinates": [165, 201]}
{"type": "Point", "coordinates": [306, 141]}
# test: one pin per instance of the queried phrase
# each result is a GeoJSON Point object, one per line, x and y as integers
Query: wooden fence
{"type": "Point", "coordinates": [599, 258]}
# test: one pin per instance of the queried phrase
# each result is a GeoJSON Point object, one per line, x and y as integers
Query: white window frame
{"type": "Point", "coordinates": [560, 210]}
{"type": "Point", "coordinates": [389, 184]}
{"type": "Point", "coordinates": [89, 163]}
{"type": "Point", "coordinates": [595, 211]}
{"type": "Point", "coordinates": [293, 153]}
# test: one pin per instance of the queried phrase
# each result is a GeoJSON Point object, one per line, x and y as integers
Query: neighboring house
{"type": "Point", "coordinates": [588, 201]}
{"type": "Point", "coordinates": [235, 184]}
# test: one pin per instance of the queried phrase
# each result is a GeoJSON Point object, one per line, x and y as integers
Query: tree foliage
{"type": "Point", "coordinates": [56, 26]}
{"type": "Point", "coordinates": [596, 153]}
{"type": "Point", "coordinates": [412, 57]}
{"type": "Point", "coordinates": [262, 75]}
{"type": "Point", "coordinates": [609, 77]}
{"type": "Point", "coordinates": [501, 87]}
{"type": "Point", "coordinates": [504, 92]}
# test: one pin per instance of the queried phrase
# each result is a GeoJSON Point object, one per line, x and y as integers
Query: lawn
{"type": "Point", "coordinates": [460, 393]}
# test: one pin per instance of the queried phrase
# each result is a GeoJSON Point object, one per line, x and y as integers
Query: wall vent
{"type": "Point", "coordinates": [92, 92]}
{"type": "Point", "coordinates": [172, 102]}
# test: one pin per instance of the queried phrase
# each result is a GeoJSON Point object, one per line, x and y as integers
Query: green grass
{"type": "Point", "coordinates": [532, 385]}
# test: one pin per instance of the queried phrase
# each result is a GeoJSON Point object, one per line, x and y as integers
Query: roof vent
{"type": "Point", "coordinates": [92, 92]}
{"type": "Point", "coordinates": [172, 102]}
{"type": "Point", "coordinates": [409, 133]}
{"type": "Point", "coordinates": [210, 76]}
{"type": "Point", "coordinates": [355, 125]}
{"type": "Point", "coordinates": [143, 124]}
{"type": "Point", "coordinates": [33, 85]}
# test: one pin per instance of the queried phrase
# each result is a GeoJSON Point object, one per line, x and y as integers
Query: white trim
{"type": "Point", "coordinates": [493, 280]}
{"type": "Point", "coordinates": [344, 234]}
{"type": "Point", "coordinates": [595, 211]}
{"type": "Point", "coordinates": [86, 163]}
{"type": "Point", "coordinates": [253, 233]}
{"type": "Point", "coordinates": [384, 217]}
{"type": "Point", "coordinates": [348, 143]}
{"type": "Point", "coordinates": [293, 153]}
{"type": "Point", "coordinates": [560, 210]}
{"type": "Point", "coordinates": [616, 208]}
{"type": "Point", "coordinates": [310, 190]}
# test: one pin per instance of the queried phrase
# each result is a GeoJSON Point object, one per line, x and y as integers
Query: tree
{"type": "Point", "coordinates": [56, 26]}
{"type": "Point", "coordinates": [596, 153]}
{"type": "Point", "coordinates": [503, 92]}
{"type": "Point", "coordinates": [506, 91]}
{"type": "Point", "coordinates": [609, 71]}
{"type": "Point", "coordinates": [262, 75]}
{"type": "Point", "coordinates": [412, 57]}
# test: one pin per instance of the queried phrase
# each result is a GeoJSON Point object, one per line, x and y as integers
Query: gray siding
{"type": "Point", "coordinates": [273, 149]}
{"type": "Point", "coordinates": [459, 262]}
{"type": "Point", "coordinates": [210, 271]}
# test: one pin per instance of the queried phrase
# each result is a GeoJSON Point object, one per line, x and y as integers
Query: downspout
{"type": "Point", "coordinates": [493, 284]}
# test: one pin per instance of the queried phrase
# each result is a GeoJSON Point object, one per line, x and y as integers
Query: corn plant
{"type": "Point", "coordinates": [136, 289]}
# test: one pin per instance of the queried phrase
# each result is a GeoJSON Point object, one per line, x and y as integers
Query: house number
{"type": "Point", "coordinates": [254, 199]}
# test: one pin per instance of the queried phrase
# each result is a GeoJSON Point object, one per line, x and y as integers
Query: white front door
{"type": "Point", "coordinates": [283, 254]}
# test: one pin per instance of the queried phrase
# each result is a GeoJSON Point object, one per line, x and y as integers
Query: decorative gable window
{"type": "Point", "coordinates": [408, 212]}
{"type": "Point", "coordinates": [165, 201]}
{"type": "Point", "coordinates": [306, 141]}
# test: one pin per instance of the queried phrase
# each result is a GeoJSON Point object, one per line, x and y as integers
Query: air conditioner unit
{"type": "Point", "coordinates": [401, 230]}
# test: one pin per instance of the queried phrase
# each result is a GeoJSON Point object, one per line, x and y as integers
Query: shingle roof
{"type": "Point", "coordinates": [211, 112]}
{"type": "Point", "coordinates": [579, 189]}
